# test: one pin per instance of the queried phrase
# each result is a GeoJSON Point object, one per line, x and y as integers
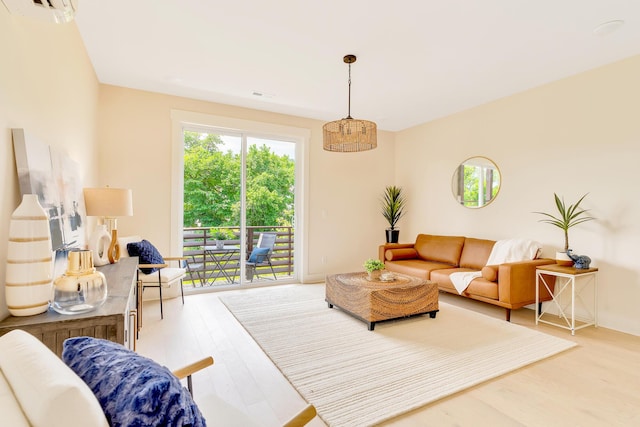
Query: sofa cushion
{"type": "Point", "coordinates": [400, 253]}
{"type": "Point", "coordinates": [482, 288]}
{"type": "Point", "coordinates": [132, 389]}
{"type": "Point", "coordinates": [475, 253]}
{"type": "Point", "coordinates": [446, 249]}
{"type": "Point", "coordinates": [478, 286]}
{"type": "Point", "coordinates": [50, 394]}
{"type": "Point", "coordinates": [415, 267]}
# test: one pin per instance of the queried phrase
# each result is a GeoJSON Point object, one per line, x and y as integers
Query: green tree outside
{"type": "Point", "coordinates": [212, 184]}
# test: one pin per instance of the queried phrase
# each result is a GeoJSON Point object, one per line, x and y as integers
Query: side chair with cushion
{"type": "Point", "coordinates": [261, 255]}
{"type": "Point", "coordinates": [153, 269]}
{"type": "Point", "coordinates": [102, 383]}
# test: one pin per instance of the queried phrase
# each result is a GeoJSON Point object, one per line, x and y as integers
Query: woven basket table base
{"type": "Point", "coordinates": [375, 301]}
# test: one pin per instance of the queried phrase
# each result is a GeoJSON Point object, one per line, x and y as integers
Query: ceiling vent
{"type": "Point", "coordinates": [57, 11]}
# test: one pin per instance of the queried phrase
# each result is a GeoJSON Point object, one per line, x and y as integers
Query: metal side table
{"type": "Point", "coordinates": [581, 283]}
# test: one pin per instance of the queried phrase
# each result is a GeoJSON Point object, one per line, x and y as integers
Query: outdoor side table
{"type": "Point", "coordinates": [582, 285]}
{"type": "Point", "coordinates": [221, 258]}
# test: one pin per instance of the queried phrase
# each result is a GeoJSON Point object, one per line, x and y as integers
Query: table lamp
{"type": "Point", "coordinates": [109, 203]}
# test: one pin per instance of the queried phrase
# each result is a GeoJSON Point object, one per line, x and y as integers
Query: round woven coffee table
{"type": "Point", "coordinates": [375, 301]}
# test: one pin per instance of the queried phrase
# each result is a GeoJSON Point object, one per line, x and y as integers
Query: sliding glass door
{"type": "Point", "coordinates": [239, 208]}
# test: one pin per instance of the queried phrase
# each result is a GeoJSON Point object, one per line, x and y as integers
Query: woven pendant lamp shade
{"type": "Point", "coordinates": [350, 135]}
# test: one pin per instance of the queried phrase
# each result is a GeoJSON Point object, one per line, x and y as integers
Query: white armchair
{"type": "Point", "coordinates": [164, 282]}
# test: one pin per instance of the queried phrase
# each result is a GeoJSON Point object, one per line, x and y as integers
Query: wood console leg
{"type": "Point", "coordinates": [508, 314]}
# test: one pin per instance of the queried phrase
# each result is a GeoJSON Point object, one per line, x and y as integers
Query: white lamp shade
{"type": "Point", "coordinates": [108, 202]}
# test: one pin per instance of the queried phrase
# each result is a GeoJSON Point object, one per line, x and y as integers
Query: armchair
{"type": "Point", "coordinates": [154, 271]}
{"type": "Point", "coordinates": [38, 389]}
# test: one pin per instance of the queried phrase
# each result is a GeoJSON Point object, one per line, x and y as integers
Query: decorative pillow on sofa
{"type": "Point", "coordinates": [258, 254]}
{"type": "Point", "coordinates": [490, 272]}
{"type": "Point", "coordinates": [132, 390]}
{"type": "Point", "coordinates": [400, 253]}
{"type": "Point", "coordinates": [147, 253]}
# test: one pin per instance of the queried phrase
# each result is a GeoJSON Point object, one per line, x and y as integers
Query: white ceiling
{"type": "Point", "coordinates": [417, 59]}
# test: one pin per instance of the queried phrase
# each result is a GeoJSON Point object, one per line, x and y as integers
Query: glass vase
{"type": "Point", "coordinates": [81, 288]}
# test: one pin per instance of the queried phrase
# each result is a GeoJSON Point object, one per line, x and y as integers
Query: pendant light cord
{"type": "Point", "coordinates": [349, 107]}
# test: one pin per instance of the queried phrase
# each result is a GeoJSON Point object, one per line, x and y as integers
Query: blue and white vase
{"type": "Point", "coordinates": [29, 273]}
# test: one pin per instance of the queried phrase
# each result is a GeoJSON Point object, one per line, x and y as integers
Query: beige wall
{"type": "Point", "coordinates": [343, 226]}
{"type": "Point", "coordinates": [575, 136]}
{"type": "Point", "coordinates": [49, 88]}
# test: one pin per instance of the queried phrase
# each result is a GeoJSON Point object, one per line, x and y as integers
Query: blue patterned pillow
{"type": "Point", "coordinates": [147, 254]}
{"type": "Point", "coordinates": [132, 390]}
{"type": "Point", "coordinates": [258, 255]}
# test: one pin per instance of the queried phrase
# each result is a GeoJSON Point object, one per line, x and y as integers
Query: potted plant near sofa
{"type": "Point", "coordinates": [568, 216]}
{"type": "Point", "coordinates": [393, 208]}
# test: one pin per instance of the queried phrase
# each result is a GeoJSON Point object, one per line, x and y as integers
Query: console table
{"type": "Point", "coordinates": [576, 281]}
{"type": "Point", "coordinates": [115, 320]}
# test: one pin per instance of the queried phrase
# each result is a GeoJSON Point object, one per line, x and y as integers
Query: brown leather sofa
{"type": "Point", "coordinates": [509, 285]}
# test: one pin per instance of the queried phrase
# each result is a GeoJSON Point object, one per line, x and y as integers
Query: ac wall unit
{"type": "Point", "coordinates": [58, 11]}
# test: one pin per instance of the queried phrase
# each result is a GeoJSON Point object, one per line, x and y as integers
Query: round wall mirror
{"type": "Point", "coordinates": [476, 182]}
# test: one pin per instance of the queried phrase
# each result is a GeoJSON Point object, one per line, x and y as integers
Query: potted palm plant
{"type": "Point", "coordinates": [568, 216]}
{"type": "Point", "coordinates": [393, 208]}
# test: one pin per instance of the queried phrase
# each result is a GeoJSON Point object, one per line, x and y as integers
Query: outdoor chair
{"type": "Point", "coordinates": [261, 255]}
{"type": "Point", "coordinates": [196, 271]}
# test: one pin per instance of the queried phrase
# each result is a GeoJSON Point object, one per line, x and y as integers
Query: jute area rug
{"type": "Point", "coordinates": [356, 377]}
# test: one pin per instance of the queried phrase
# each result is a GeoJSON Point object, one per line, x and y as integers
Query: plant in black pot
{"type": "Point", "coordinates": [393, 208]}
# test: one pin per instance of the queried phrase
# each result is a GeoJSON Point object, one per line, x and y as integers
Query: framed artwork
{"type": "Point", "coordinates": [54, 177]}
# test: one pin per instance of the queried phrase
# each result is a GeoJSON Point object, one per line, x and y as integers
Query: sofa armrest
{"type": "Point", "coordinates": [383, 248]}
{"type": "Point", "coordinates": [517, 282]}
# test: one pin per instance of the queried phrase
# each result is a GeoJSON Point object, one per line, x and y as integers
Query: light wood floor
{"type": "Point", "coordinates": [595, 384]}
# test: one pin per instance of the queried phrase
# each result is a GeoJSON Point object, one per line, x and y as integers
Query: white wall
{"type": "Point", "coordinates": [47, 87]}
{"type": "Point", "coordinates": [574, 136]}
{"type": "Point", "coordinates": [344, 224]}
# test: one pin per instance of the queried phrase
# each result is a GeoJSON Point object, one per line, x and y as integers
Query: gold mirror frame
{"type": "Point", "coordinates": [473, 174]}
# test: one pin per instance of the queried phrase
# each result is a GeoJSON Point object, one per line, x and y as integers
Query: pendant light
{"type": "Point", "coordinates": [349, 135]}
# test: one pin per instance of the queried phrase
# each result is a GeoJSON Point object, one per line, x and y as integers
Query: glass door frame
{"type": "Point", "coordinates": [184, 120]}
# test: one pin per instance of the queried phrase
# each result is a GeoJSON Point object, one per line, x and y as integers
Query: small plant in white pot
{"type": "Point", "coordinates": [568, 216]}
{"type": "Point", "coordinates": [374, 268]}
{"type": "Point", "coordinates": [220, 236]}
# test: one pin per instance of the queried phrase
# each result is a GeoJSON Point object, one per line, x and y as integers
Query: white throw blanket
{"type": "Point", "coordinates": [509, 250]}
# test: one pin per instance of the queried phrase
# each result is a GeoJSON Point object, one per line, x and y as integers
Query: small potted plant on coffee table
{"type": "Point", "coordinates": [374, 268]}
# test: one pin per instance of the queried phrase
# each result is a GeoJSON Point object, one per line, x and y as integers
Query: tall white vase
{"type": "Point", "coordinates": [29, 272]}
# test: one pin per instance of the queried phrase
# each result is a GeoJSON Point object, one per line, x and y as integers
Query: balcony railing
{"type": "Point", "coordinates": [228, 270]}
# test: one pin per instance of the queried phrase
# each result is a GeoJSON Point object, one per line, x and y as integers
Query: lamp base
{"type": "Point", "coordinates": [114, 248]}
